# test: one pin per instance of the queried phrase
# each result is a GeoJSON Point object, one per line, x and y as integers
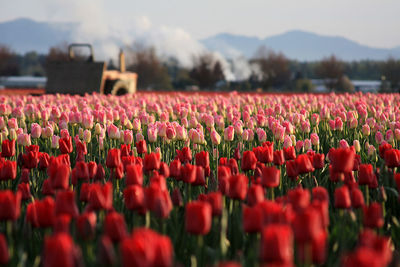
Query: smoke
{"type": "Point", "coordinates": [108, 33]}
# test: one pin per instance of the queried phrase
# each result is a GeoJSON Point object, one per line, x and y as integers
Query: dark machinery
{"type": "Point", "coordinates": [77, 76]}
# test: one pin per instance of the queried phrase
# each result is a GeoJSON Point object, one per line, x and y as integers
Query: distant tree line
{"type": "Point", "coordinates": [269, 70]}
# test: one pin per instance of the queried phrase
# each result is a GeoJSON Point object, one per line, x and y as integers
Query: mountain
{"type": "Point", "coordinates": [24, 35]}
{"type": "Point", "coordinates": [298, 45]}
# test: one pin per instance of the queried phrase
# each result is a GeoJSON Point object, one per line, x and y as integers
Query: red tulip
{"type": "Point", "coordinates": [158, 201]}
{"type": "Point", "coordinates": [252, 219]}
{"type": "Point", "coordinates": [223, 161]}
{"type": "Point", "coordinates": [215, 200]}
{"type": "Point", "coordinates": [84, 192]}
{"type": "Point", "coordinates": [41, 213]}
{"type": "Point", "coordinates": [233, 166]}
{"type": "Point", "coordinates": [249, 161]}
{"type": "Point", "coordinates": [134, 175]}
{"type": "Point", "coordinates": [200, 176]}
{"type": "Point", "coordinates": [8, 170]}
{"type": "Point", "coordinates": [198, 217]}
{"type": "Point", "coordinates": [175, 169]}
{"type": "Point", "coordinates": [92, 166]}
{"type": "Point", "coordinates": [184, 155]}
{"type": "Point", "coordinates": [265, 152]}
{"type": "Point", "coordinates": [44, 161]}
{"type": "Point", "coordinates": [342, 197]}
{"type": "Point", "coordinates": [100, 173]}
{"type": "Point", "coordinates": [299, 198]}
{"type": "Point", "coordinates": [115, 227]}
{"type": "Point", "coordinates": [60, 250]}
{"type": "Point", "coordinates": [270, 177]}
{"type": "Point", "coordinates": [373, 215]}
{"type": "Point", "coordinates": [128, 160]}
{"type": "Point", "coordinates": [365, 174]}
{"type": "Point", "coordinates": [202, 159]}
{"type": "Point", "coordinates": [25, 173]}
{"type": "Point", "coordinates": [106, 254]}
{"type": "Point", "coordinates": [188, 173]}
{"type": "Point", "coordinates": [323, 208]}
{"type": "Point", "coordinates": [25, 191]}
{"type": "Point", "coordinates": [10, 205]}
{"type": "Point", "coordinates": [86, 225]}
{"type": "Point", "coordinates": [342, 159]}
{"type": "Point", "coordinates": [320, 193]}
{"type": "Point", "coordinates": [238, 186]}
{"type": "Point", "coordinates": [134, 198]}
{"type": "Point", "coordinates": [59, 174]}
{"type": "Point", "coordinates": [316, 251]}
{"type": "Point", "coordinates": [223, 179]}
{"type": "Point", "coordinates": [8, 148]}
{"type": "Point", "coordinates": [101, 196]}
{"type": "Point", "coordinates": [62, 224]}
{"type": "Point", "coordinates": [151, 161]}
{"type": "Point", "coordinates": [146, 248]}
{"type": "Point", "coordinates": [82, 171]}
{"type": "Point", "coordinates": [304, 164]}
{"type": "Point", "coordinates": [125, 150]}
{"type": "Point", "coordinates": [289, 153]}
{"type": "Point", "coordinates": [357, 198]}
{"type": "Point", "coordinates": [363, 257]}
{"type": "Point", "coordinates": [81, 151]}
{"type": "Point", "coordinates": [319, 161]}
{"type": "Point", "coordinates": [47, 189]}
{"type": "Point", "coordinates": [274, 212]}
{"type": "Point", "coordinates": [141, 147]}
{"type": "Point", "coordinates": [279, 159]}
{"type": "Point", "coordinates": [177, 197]}
{"type": "Point", "coordinates": [255, 194]}
{"type": "Point", "coordinates": [383, 148]}
{"type": "Point", "coordinates": [164, 170]}
{"type": "Point", "coordinates": [4, 255]}
{"type": "Point", "coordinates": [291, 169]}
{"type": "Point", "coordinates": [65, 204]}
{"type": "Point", "coordinates": [307, 225]}
{"type": "Point", "coordinates": [392, 158]}
{"type": "Point", "coordinates": [277, 244]}
{"type": "Point", "coordinates": [65, 145]}
{"type": "Point", "coordinates": [113, 158]}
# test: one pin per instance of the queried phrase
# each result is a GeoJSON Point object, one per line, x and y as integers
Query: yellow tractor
{"type": "Point", "coordinates": [78, 76]}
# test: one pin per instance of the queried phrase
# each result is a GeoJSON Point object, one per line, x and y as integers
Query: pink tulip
{"type": "Point", "coordinates": [229, 133]}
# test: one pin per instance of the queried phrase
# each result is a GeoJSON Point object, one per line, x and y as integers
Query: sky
{"type": "Point", "coordinates": [370, 22]}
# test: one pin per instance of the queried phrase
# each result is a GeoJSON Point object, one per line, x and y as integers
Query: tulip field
{"type": "Point", "coordinates": [200, 179]}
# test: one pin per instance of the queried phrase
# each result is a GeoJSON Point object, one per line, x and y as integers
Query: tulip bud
{"type": "Point", "coordinates": [229, 133]}
{"type": "Point", "coordinates": [97, 129]}
{"type": "Point", "coordinates": [13, 134]}
{"type": "Point", "coordinates": [366, 130]}
{"type": "Point", "coordinates": [343, 143]}
{"type": "Point", "coordinates": [87, 136]}
{"type": "Point", "coordinates": [36, 130]}
{"type": "Point", "coordinates": [357, 145]}
{"type": "Point", "coordinates": [371, 151]}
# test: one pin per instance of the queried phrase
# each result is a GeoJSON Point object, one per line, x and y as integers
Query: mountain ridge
{"type": "Point", "coordinates": [24, 35]}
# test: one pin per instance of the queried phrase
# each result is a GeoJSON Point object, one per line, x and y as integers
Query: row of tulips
{"type": "Point", "coordinates": [200, 180]}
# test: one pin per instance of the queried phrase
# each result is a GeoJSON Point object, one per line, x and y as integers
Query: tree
{"type": "Point", "coordinates": [273, 68]}
{"type": "Point", "coordinates": [152, 74]}
{"type": "Point", "coordinates": [330, 70]}
{"type": "Point", "coordinates": [8, 62]}
{"type": "Point", "coordinates": [206, 71]}
{"type": "Point", "coordinates": [58, 53]}
{"type": "Point", "coordinates": [391, 73]}
{"type": "Point", "coordinates": [345, 84]}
